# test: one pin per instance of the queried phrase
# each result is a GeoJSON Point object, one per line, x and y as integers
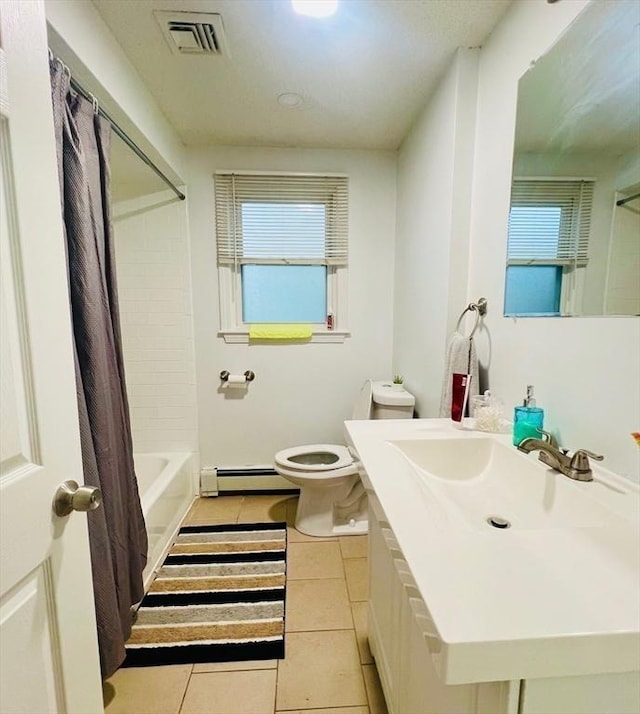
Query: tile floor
{"type": "Point", "coordinates": [328, 667]}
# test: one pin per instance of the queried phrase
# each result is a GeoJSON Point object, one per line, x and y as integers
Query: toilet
{"type": "Point", "coordinates": [332, 497]}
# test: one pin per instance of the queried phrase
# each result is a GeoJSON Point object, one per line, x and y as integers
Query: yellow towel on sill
{"type": "Point", "coordinates": [280, 332]}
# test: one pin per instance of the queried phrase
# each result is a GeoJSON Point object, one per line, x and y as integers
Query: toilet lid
{"type": "Point", "coordinates": [362, 409]}
{"type": "Point", "coordinates": [315, 457]}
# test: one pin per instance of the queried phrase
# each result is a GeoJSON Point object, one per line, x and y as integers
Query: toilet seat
{"type": "Point", "coordinates": [316, 461]}
{"type": "Point", "coordinates": [333, 500]}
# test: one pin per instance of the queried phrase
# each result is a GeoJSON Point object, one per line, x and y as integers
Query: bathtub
{"type": "Point", "coordinates": [165, 482]}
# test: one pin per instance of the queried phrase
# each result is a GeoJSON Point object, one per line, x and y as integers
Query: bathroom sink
{"type": "Point", "coordinates": [451, 459]}
{"type": "Point", "coordinates": [555, 595]}
{"type": "Point", "coordinates": [490, 485]}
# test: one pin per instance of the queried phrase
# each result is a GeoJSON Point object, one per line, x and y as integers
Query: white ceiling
{"type": "Point", "coordinates": [364, 73]}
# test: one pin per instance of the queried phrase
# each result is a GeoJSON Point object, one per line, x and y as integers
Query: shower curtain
{"type": "Point", "coordinates": [117, 534]}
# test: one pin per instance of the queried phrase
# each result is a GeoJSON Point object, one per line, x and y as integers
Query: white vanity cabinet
{"type": "Point", "coordinates": [404, 640]}
{"type": "Point", "coordinates": [541, 618]}
{"type": "Point", "coordinates": [405, 644]}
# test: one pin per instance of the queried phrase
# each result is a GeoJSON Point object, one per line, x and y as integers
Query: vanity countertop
{"type": "Point", "coordinates": [517, 603]}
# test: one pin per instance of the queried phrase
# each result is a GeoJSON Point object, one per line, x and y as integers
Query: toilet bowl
{"type": "Point", "coordinates": [332, 499]}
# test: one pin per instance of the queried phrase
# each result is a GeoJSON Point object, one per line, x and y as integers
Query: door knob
{"type": "Point", "coordinates": [71, 497]}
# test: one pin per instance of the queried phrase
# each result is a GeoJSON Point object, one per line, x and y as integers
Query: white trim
{"type": "Point", "coordinates": [337, 302]}
{"type": "Point", "coordinates": [241, 337]}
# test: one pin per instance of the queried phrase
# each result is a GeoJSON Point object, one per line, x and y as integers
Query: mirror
{"type": "Point", "coordinates": [574, 224]}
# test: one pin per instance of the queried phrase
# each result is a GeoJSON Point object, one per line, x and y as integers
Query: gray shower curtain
{"type": "Point", "coordinates": [117, 534]}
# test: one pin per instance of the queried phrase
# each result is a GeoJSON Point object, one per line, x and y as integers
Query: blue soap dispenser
{"type": "Point", "coordinates": [527, 419]}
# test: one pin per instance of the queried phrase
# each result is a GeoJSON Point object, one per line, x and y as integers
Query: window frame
{"type": "Point", "coordinates": [232, 327]}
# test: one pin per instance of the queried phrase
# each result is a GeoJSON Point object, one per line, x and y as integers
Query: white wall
{"type": "Point", "coordinates": [152, 262]}
{"type": "Point", "coordinates": [623, 279]}
{"type": "Point", "coordinates": [302, 393]}
{"type": "Point", "coordinates": [629, 176]}
{"type": "Point", "coordinates": [585, 369]}
{"type": "Point", "coordinates": [432, 231]}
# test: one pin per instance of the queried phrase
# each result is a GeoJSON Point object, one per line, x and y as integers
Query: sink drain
{"type": "Point", "coordinates": [498, 522]}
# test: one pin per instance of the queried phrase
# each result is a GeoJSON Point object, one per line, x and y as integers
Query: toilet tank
{"type": "Point", "coordinates": [391, 401]}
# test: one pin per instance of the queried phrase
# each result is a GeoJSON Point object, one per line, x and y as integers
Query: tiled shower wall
{"type": "Point", "coordinates": [152, 257]}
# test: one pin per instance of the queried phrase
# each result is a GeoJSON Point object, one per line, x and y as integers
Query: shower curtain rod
{"type": "Point", "coordinates": [125, 137]}
{"type": "Point", "coordinates": [622, 201]}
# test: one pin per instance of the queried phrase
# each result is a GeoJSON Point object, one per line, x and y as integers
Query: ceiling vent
{"type": "Point", "coordinates": [193, 33]}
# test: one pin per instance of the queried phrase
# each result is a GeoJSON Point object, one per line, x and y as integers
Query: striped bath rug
{"type": "Point", "coordinates": [218, 597]}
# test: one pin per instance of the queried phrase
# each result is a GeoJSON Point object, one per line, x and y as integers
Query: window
{"type": "Point", "coordinates": [282, 252]}
{"type": "Point", "coordinates": [284, 293]}
{"type": "Point", "coordinates": [549, 224]}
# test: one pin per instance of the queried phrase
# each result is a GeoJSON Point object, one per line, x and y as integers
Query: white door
{"type": "Point", "coordinates": [49, 660]}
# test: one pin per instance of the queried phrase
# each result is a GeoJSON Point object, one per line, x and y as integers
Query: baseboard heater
{"type": "Point", "coordinates": [247, 479]}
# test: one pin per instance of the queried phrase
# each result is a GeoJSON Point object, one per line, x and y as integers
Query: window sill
{"type": "Point", "coordinates": [241, 337]}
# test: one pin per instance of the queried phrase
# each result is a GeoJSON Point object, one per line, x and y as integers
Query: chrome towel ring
{"type": "Point", "coordinates": [480, 308]}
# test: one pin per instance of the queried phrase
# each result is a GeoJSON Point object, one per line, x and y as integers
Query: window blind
{"type": "Point", "coordinates": [550, 222]}
{"type": "Point", "coordinates": [281, 219]}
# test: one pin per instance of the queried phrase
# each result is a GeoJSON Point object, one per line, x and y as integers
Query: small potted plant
{"type": "Point", "coordinates": [398, 381]}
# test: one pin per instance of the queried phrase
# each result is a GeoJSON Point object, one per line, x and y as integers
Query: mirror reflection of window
{"type": "Point", "coordinates": [549, 227]}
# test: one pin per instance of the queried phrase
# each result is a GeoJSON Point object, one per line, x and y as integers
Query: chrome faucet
{"type": "Point", "coordinates": [576, 467]}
